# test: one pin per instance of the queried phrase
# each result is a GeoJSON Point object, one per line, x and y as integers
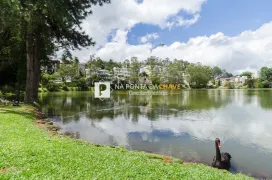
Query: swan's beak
{"type": "Point", "coordinates": [218, 144]}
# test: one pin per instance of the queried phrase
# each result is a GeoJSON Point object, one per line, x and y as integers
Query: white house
{"type": "Point", "coordinates": [51, 66]}
{"type": "Point", "coordinates": [117, 72]}
{"type": "Point", "coordinates": [240, 80]}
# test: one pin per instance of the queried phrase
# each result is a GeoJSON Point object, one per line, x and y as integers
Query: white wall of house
{"type": "Point", "coordinates": [121, 71]}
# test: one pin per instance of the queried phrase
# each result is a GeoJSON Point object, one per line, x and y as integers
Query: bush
{"type": "Point", "coordinates": [82, 84]}
{"type": "Point", "coordinates": [52, 86]}
{"type": "Point", "coordinates": [65, 88]}
{"type": "Point", "coordinates": [231, 86]}
{"type": "Point", "coordinates": [226, 84]}
{"type": "Point", "coordinates": [266, 84]}
{"type": "Point", "coordinates": [7, 89]}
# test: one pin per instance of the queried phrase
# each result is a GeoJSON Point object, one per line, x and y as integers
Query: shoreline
{"type": "Point", "coordinates": [141, 161]}
{"type": "Point", "coordinates": [165, 158]}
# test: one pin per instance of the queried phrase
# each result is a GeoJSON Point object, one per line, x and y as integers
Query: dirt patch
{"type": "Point", "coordinates": [39, 114]}
{"type": "Point", "coordinates": [75, 135]}
{"type": "Point", "coordinates": [3, 171]}
{"type": "Point", "coordinates": [188, 163]}
{"type": "Point", "coordinates": [167, 159]}
{"type": "Point", "coordinates": [48, 126]}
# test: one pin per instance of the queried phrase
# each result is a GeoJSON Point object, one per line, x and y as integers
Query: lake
{"type": "Point", "coordinates": [181, 125]}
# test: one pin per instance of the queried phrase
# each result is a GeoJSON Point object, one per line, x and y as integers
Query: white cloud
{"type": "Point", "coordinates": [180, 21]}
{"type": "Point", "coordinates": [124, 15]}
{"type": "Point", "coordinates": [250, 50]}
{"type": "Point", "coordinates": [148, 37]}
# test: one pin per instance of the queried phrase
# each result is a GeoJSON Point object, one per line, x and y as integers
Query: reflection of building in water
{"type": "Point", "coordinates": [68, 100]}
{"type": "Point", "coordinates": [185, 99]}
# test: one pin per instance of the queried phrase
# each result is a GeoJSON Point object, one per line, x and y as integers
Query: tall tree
{"type": "Point", "coordinates": [246, 73]}
{"type": "Point", "coordinates": [176, 72]}
{"type": "Point", "coordinates": [265, 76]}
{"type": "Point", "coordinates": [199, 75]}
{"type": "Point", "coordinates": [134, 69]}
{"type": "Point", "coordinates": [216, 71]}
{"type": "Point", "coordinates": [48, 22]}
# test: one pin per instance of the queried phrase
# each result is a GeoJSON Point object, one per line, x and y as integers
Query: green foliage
{"type": "Point", "coordinates": [199, 75]}
{"type": "Point", "coordinates": [266, 84]}
{"type": "Point", "coordinates": [176, 71]}
{"type": "Point", "coordinates": [48, 82]}
{"type": "Point", "coordinates": [247, 73]}
{"type": "Point", "coordinates": [231, 85]}
{"type": "Point", "coordinates": [155, 77]}
{"type": "Point", "coordinates": [265, 77]}
{"type": "Point", "coordinates": [46, 78]}
{"type": "Point", "coordinates": [135, 66]}
{"type": "Point", "coordinates": [65, 88]}
{"type": "Point", "coordinates": [67, 71]}
{"type": "Point", "coordinates": [40, 27]}
{"type": "Point", "coordinates": [53, 86]}
{"type": "Point", "coordinates": [250, 83]}
{"type": "Point", "coordinates": [7, 89]}
{"type": "Point", "coordinates": [81, 83]}
{"type": "Point", "coordinates": [216, 71]}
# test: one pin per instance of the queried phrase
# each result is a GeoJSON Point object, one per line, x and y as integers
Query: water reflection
{"type": "Point", "coordinates": [183, 126]}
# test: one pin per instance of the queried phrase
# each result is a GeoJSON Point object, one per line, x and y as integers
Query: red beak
{"type": "Point", "coordinates": [218, 143]}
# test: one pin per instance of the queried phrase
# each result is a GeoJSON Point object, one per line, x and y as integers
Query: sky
{"type": "Point", "coordinates": [234, 35]}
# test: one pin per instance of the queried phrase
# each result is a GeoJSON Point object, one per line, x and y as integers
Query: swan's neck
{"type": "Point", "coordinates": [218, 154]}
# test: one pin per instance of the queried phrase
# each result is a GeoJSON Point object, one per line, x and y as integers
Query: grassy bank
{"type": "Point", "coordinates": [29, 152]}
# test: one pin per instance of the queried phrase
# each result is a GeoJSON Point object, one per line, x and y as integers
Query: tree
{"type": "Point", "coordinates": [247, 73]}
{"type": "Point", "coordinates": [199, 75]}
{"type": "Point", "coordinates": [134, 69]}
{"type": "Point", "coordinates": [265, 77]}
{"type": "Point", "coordinates": [216, 71]}
{"type": "Point", "coordinates": [126, 63]}
{"type": "Point", "coordinates": [99, 63]}
{"type": "Point", "coordinates": [12, 48]}
{"type": "Point", "coordinates": [227, 74]}
{"type": "Point", "coordinates": [176, 71]}
{"type": "Point", "coordinates": [47, 24]}
{"type": "Point", "coordinates": [67, 71]}
{"type": "Point", "coordinates": [250, 83]}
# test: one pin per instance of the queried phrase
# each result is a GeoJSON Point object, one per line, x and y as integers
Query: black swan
{"type": "Point", "coordinates": [221, 161]}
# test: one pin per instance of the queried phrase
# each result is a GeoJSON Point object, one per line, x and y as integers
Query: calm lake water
{"type": "Point", "coordinates": [183, 126]}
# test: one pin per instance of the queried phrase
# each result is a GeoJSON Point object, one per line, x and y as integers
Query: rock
{"type": "Point", "coordinates": [50, 123]}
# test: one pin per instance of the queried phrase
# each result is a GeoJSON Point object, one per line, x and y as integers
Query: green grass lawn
{"type": "Point", "coordinates": [28, 152]}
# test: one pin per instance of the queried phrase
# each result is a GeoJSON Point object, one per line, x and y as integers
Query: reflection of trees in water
{"type": "Point", "coordinates": [71, 105]}
{"type": "Point", "coordinates": [265, 99]}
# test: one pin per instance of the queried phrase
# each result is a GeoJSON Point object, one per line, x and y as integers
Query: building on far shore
{"type": "Point", "coordinates": [51, 66]}
{"type": "Point", "coordinates": [236, 80]}
{"type": "Point", "coordinates": [104, 74]}
{"type": "Point", "coordinates": [117, 72]}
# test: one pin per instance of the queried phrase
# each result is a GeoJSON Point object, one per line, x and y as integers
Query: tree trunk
{"type": "Point", "coordinates": [33, 67]}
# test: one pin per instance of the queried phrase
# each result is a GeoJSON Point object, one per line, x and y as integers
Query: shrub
{"type": "Point", "coordinates": [52, 86]}
{"type": "Point", "coordinates": [230, 86]}
{"type": "Point", "coordinates": [65, 88]}
{"type": "Point", "coordinates": [7, 89]}
{"type": "Point", "coordinates": [266, 84]}
{"type": "Point", "coordinates": [82, 84]}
